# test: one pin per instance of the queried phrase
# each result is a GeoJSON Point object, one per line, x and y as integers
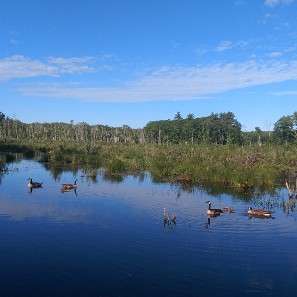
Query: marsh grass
{"type": "Point", "coordinates": [242, 169]}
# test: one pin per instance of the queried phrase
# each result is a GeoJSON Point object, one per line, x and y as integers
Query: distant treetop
{"type": "Point", "coordinates": [178, 116]}
{"type": "Point", "coordinates": [190, 116]}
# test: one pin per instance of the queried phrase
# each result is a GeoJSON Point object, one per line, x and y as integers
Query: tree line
{"type": "Point", "coordinates": [217, 128]}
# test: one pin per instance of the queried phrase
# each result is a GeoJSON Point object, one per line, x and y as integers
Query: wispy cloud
{"type": "Point", "coordinates": [275, 54]}
{"type": "Point", "coordinates": [177, 83]}
{"type": "Point", "coordinates": [228, 45]}
{"type": "Point", "coordinates": [224, 45]}
{"type": "Point", "coordinates": [273, 3]}
{"type": "Point", "coordinates": [18, 66]}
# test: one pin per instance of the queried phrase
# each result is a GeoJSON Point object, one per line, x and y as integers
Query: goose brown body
{"type": "Point", "coordinates": [259, 213]}
{"type": "Point", "coordinates": [68, 187]}
{"type": "Point", "coordinates": [228, 209]}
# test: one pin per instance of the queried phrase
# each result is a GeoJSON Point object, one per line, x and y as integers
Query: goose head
{"type": "Point", "coordinates": [209, 204]}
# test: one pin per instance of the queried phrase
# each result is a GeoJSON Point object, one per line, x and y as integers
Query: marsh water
{"type": "Point", "coordinates": [108, 239]}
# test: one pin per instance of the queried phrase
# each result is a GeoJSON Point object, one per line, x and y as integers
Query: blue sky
{"type": "Point", "coordinates": [128, 62]}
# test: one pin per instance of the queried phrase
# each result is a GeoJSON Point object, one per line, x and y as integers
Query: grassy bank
{"type": "Point", "coordinates": [242, 169]}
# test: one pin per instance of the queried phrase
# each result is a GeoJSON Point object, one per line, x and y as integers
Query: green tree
{"type": "Point", "coordinates": [190, 116]}
{"type": "Point", "coordinates": [2, 116]}
{"type": "Point", "coordinates": [178, 116]}
{"type": "Point", "coordinates": [284, 129]}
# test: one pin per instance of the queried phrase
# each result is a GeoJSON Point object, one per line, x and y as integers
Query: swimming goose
{"type": "Point", "coordinates": [259, 213]}
{"type": "Point", "coordinates": [32, 184]}
{"type": "Point", "coordinates": [213, 211]}
{"type": "Point", "coordinates": [67, 187]}
{"type": "Point", "coordinates": [168, 219]}
{"type": "Point", "coordinates": [228, 209]}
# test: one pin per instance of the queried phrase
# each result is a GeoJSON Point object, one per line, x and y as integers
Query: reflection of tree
{"type": "Point", "coordinates": [90, 174]}
{"type": "Point", "coordinates": [6, 159]}
{"type": "Point", "coordinates": [218, 189]}
{"type": "Point", "coordinates": [57, 169]}
{"type": "Point", "coordinates": [244, 194]}
{"type": "Point", "coordinates": [114, 178]}
{"type": "Point", "coordinates": [266, 197]}
{"type": "Point", "coordinates": [289, 205]}
{"type": "Point", "coordinates": [159, 175]}
{"type": "Point", "coordinates": [2, 170]}
{"type": "Point", "coordinates": [139, 175]}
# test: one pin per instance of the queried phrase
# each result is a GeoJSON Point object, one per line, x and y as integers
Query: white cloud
{"type": "Point", "coordinates": [273, 3]}
{"type": "Point", "coordinates": [224, 45]}
{"type": "Point", "coordinates": [18, 66]}
{"type": "Point", "coordinates": [72, 65]}
{"type": "Point", "coordinates": [275, 54]}
{"type": "Point", "coordinates": [177, 83]}
{"type": "Point", "coordinates": [228, 45]}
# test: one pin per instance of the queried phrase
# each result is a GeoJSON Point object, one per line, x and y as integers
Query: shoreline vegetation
{"type": "Point", "coordinates": [224, 159]}
{"type": "Point", "coordinates": [242, 170]}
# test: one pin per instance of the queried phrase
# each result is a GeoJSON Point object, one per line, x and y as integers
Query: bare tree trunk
{"type": "Point", "coordinates": [159, 137]}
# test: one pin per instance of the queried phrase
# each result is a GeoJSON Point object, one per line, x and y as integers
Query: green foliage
{"type": "Point", "coordinates": [178, 116]}
{"type": "Point", "coordinates": [285, 129]}
{"type": "Point", "coordinates": [116, 165]}
{"type": "Point", "coordinates": [220, 128]}
{"type": "Point", "coordinates": [190, 116]}
{"type": "Point", "coordinates": [205, 151]}
{"type": "Point", "coordinates": [2, 116]}
{"type": "Point", "coordinates": [241, 169]}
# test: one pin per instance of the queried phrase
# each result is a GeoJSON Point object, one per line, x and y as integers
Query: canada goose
{"type": "Point", "coordinates": [4, 170]}
{"type": "Point", "coordinates": [259, 213]}
{"type": "Point", "coordinates": [213, 211]}
{"type": "Point", "coordinates": [32, 184]}
{"type": "Point", "coordinates": [68, 187]}
{"type": "Point", "coordinates": [228, 209]}
{"type": "Point", "coordinates": [168, 219]}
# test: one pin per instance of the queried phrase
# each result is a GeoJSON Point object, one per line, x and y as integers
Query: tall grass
{"type": "Point", "coordinates": [241, 168]}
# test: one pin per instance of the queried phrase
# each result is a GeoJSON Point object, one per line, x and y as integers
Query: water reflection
{"type": "Point", "coordinates": [214, 189]}
{"type": "Point", "coordinates": [69, 191]}
{"type": "Point", "coordinates": [289, 206]}
{"type": "Point", "coordinates": [114, 234]}
{"type": "Point", "coordinates": [91, 174]}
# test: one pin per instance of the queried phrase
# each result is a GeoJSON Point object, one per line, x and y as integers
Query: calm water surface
{"type": "Point", "coordinates": [109, 240]}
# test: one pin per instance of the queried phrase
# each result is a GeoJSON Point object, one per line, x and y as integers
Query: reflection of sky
{"type": "Point", "coordinates": [106, 199]}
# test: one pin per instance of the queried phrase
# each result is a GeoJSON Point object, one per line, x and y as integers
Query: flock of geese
{"type": "Point", "coordinates": [64, 188]}
{"type": "Point", "coordinates": [171, 219]}
{"type": "Point", "coordinates": [214, 212]}
{"type": "Point", "coordinates": [251, 212]}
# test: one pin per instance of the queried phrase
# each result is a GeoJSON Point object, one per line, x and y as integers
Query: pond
{"type": "Point", "coordinates": [108, 239]}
